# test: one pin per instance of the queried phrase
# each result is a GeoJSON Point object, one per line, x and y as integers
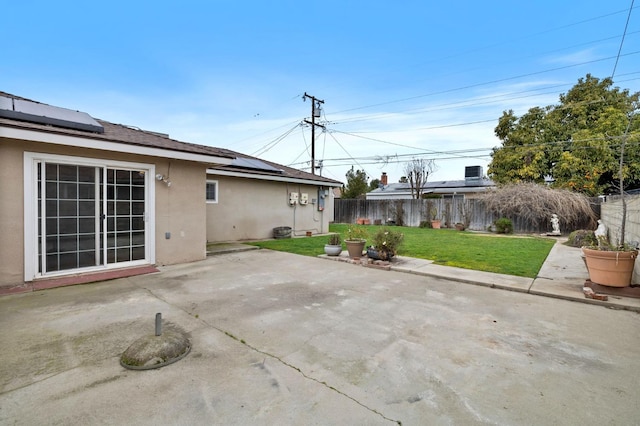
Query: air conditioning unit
{"type": "Point", "coordinates": [473, 173]}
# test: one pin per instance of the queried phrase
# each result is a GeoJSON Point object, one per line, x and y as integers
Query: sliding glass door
{"type": "Point", "coordinates": [89, 216]}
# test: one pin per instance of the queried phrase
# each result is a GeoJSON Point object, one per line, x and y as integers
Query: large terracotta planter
{"type": "Point", "coordinates": [355, 248]}
{"type": "Point", "coordinates": [610, 268]}
{"type": "Point", "coordinates": [435, 224]}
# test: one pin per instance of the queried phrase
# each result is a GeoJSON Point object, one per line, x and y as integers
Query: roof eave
{"type": "Point", "coordinates": [77, 141]}
{"type": "Point", "coordinates": [290, 179]}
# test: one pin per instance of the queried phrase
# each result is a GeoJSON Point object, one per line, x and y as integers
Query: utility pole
{"type": "Point", "coordinates": [315, 112]}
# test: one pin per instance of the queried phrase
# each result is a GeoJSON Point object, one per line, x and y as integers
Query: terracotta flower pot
{"type": "Point", "coordinates": [355, 248]}
{"type": "Point", "coordinates": [610, 268]}
{"type": "Point", "coordinates": [435, 224]}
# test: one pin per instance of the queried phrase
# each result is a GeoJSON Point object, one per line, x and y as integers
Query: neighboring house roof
{"type": "Point", "coordinates": [58, 128]}
{"type": "Point", "coordinates": [401, 190]}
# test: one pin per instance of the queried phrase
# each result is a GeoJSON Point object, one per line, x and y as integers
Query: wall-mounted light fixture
{"type": "Point", "coordinates": [164, 179]}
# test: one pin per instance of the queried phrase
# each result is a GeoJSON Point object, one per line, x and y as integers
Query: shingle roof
{"type": "Point", "coordinates": [129, 135]}
{"type": "Point", "coordinates": [285, 171]}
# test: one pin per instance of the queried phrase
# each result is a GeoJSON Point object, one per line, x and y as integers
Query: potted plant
{"type": "Point", "coordinates": [609, 264]}
{"type": "Point", "coordinates": [433, 214]}
{"type": "Point", "coordinates": [385, 244]}
{"type": "Point", "coordinates": [612, 264]}
{"type": "Point", "coordinates": [334, 245]}
{"type": "Point", "coordinates": [355, 240]}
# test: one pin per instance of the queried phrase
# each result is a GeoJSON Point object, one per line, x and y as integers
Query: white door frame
{"type": "Point", "coordinates": [31, 160]}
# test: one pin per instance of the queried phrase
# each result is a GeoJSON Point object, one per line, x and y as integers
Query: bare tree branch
{"type": "Point", "coordinates": [417, 172]}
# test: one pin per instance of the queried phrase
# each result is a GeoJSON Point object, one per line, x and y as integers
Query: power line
{"type": "Point", "coordinates": [346, 152]}
{"type": "Point", "coordinates": [457, 154]}
{"type": "Point", "coordinates": [274, 142]}
{"type": "Point", "coordinates": [475, 85]}
{"type": "Point", "coordinates": [626, 25]}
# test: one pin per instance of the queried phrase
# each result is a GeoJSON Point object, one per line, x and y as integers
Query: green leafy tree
{"type": "Point", "coordinates": [356, 184]}
{"type": "Point", "coordinates": [374, 184]}
{"type": "Point", "coordinates": [576, 143]}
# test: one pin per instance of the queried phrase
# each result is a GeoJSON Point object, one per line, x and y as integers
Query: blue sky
{"type": "Point", "coordinates": [412, 79]}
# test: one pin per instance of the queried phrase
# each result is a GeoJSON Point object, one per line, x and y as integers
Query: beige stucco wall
{"type": "Point", "coordinates": [249, 209]}
{"type": "Point", "coordinates": [180, 209]}
{"type": "Point", "coordinates": [611, 215]}
{"type": "Point", "coordinates": [11, 213]}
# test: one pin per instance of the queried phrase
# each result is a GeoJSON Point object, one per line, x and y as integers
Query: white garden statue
{"type": "Point", "coordinates": [555, 224]}
{"type": "Point", "coordinates": [601, 232]}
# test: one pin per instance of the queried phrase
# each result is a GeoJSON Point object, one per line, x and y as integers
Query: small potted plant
{"type": "Point", "coordinates": [334, 245]}
{"type": "Point", "coordinates": [355, 240]}
{"type": "Point", "coordinates": [435, 222]}
{"type": "Point", "coordinates": [386, 244]}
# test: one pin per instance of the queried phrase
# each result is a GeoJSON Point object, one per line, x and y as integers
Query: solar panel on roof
{"type": "Point", "coordinates": [6, 103]}
{"type": "Point", "coordinates": [252, 163]}
{"type": "Point", "coordinates": [33, 112]}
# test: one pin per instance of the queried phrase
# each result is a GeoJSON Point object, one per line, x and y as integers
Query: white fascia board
{"type": "Point", "coordinates": [271, 178]}
{"type": "Point", "coordinates": [52, 138]}
{"type": "Point", "coordinates": [389, 196]}
{"type": "Point", "coordinates": [461, 190]}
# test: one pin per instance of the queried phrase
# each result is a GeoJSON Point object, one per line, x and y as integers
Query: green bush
{"type": "Point", "coordinates": [504, 225]}
{"type": "Point", "coordinates": [582, 237]}
{"type": "Point", "coordinates": [387, 240]}
{"type": "Point", "coordinates": [425, 224]}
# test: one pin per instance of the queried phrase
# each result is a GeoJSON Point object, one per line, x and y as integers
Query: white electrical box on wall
{"type": "Point", "coordinates": [293, 198]}
{"type": "Point", "coordinates": [304, 198]}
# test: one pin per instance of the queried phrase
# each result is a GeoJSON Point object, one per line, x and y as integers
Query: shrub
{"type": "Point", "coordinates": [504, 226]}
{"type": "Point", "coordinates": [536, 203]}
{"type": "Point", "coordinates": [357, 233]}
{"type": "Point", "coordinates": [386, 239]}
{"type": "Point", "coordinates": [334, 240]}
{"type": "Point", "coordinates": [425, 224]}
{"type": "Point", "coordinates": [398, 212]}
{"type": "Point", "coordinates": [582, 237]}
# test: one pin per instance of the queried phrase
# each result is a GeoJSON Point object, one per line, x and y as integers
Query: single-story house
{"type": "Point", "coordinates": [250, 197]}
{"type": "Point", "coordinates": [81, 195]}
{"type": "Point", "coordinates": [471, 186]}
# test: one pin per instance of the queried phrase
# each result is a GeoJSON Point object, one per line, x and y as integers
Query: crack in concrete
{"type": "Point", "coordinates": [280, 360]}
{"type": "Point", "coordinates": [306, 376]}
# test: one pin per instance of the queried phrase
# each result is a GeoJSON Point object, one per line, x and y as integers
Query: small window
{"type": "Point", "coordinates": [453, 196]}
{"type": "Point", "coordinates": [212, 191]}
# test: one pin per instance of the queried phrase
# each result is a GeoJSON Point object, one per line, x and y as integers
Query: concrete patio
{"type": "Point", "coordinates": [285, 339]}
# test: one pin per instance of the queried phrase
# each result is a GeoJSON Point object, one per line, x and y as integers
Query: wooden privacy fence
{"type": "Point", "coordinates": [471, 212]}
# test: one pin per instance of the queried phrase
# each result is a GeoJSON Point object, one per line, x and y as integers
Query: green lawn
{"type": "Point", "coordinates": [511, 255]}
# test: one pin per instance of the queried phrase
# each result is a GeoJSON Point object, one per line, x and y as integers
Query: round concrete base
{"type": "Point", "coordinates": [151, 352]}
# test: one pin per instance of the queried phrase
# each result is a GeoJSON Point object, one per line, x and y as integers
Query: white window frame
{"type": "Point", "coordinates": [30, 179]}
{"type": "Point", "coordinates": [216, 192]}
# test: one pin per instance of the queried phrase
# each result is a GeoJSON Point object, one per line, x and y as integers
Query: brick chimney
{"type": "Point", "coordinates": [383, 179]}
